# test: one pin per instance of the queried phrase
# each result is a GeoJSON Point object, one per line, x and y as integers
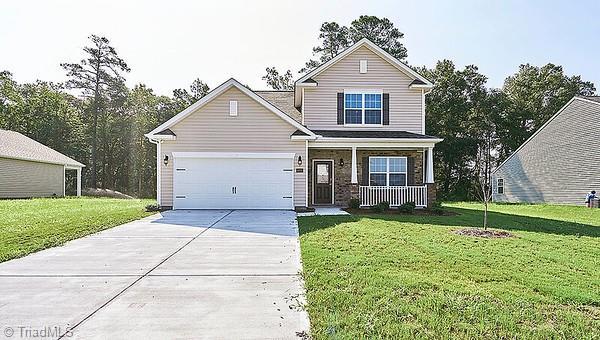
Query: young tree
{"type": "Point", "coordinates": [483, 171]}
{"type": "Point", "coordinates": [96, 76]}
{"type": "Point", "coordinates": [279, 81]}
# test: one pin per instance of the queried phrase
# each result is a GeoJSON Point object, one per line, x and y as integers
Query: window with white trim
{"type": "Point", "coordinates": [500, 185]}
{"type": "Point", "coordinates": [363, 108]}
{"type": "Point", "coordinates": [387, 171]}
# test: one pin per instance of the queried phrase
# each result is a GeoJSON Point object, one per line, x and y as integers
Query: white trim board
{"type": "Point", "coordinates": [233, 155]}
{"type": "Point", "coordinates": [214, 94]}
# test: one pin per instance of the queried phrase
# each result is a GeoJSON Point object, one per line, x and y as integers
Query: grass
{"type": "Point", "coordinates": [394, 276]}
{"type": "Point", "coordinates": [27, 226]}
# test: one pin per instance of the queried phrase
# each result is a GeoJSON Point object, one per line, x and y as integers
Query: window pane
{"type": "Point", "coordinates": [373, 101]}
{"type": "Point", "coordinates": [397, 179]}
{"type": "Point", "coordinates": [377, 164]}
{"type": "Point", "coordinates": [322, 174]}
{"type": "Point", "coordinates": [353, 116]}
{"type": "Point", "coordinates": [397, 164]}
{"type": "Point", "coordinates": [372, 116]}
{"type": "Point", "coordinates": [353, 101]}
{"type": "Point", "coordinates": [377, 180]}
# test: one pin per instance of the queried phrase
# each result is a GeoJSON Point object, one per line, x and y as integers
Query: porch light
{"type": "Point", "coordinates": [341, 162]}
{"type": "Point", "coordinates": [299, 160]}
{"type": "Point", "coordinates": [166, 160]}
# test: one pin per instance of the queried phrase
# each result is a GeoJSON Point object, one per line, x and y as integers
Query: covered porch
{"type": "Point", "coordinates": [372, 172]}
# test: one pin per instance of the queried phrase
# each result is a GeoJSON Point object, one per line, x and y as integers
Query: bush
{"type": "Point", "coordinates": [152, 207]}
{"type": "Point", "coordinates": [407, 208]}
{"type": "Point", "coordinates": [436, 208]}
{"type": "Point", "coordinates": [381, 207]}
{"type": "Point", "coordinates": [354, 203]}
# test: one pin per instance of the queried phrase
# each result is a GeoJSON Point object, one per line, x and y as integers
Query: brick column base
{"type": "Point", "coordinates": [354, 190]}
{"type": "Point", "coordinates": [431, 194]}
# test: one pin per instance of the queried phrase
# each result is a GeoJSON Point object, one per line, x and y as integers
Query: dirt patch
{"type": "Point", "coordinates": [392, 211]}
{"type": "Point", "coordinates": [477, 232]}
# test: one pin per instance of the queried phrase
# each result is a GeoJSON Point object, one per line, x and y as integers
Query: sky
{"type": "Point", "coordinates": [169, 43]}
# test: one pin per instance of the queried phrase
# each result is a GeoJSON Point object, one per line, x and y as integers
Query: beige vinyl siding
{"type": "Point", "coordinates": [320, 103]}
{"type": "Point", "coordinates": [561, 164]}
{"type": "Point", "coordinates": [211, 129]}
{"type": "Point", "coordinates": [21, 179]}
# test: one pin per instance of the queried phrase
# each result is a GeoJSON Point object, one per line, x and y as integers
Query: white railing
{"type": "Point", "coordinates": [371, 195]}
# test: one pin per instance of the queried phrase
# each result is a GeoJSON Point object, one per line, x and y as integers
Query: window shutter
{"type": "Point", "coordinates": [340, 108]}
{"type": "Point", "coordinates": [386, 109]}
{"type": "Point", "coordinates": [410, 171]}
{"type": "Point", "coordinates": [365, 171]}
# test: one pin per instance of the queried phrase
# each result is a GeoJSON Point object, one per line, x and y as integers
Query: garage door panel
{"type": "Point", "coordinates": [238, 183]}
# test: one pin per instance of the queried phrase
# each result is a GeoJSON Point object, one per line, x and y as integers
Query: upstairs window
{"type": "Point", "coordinates": [363, 108]}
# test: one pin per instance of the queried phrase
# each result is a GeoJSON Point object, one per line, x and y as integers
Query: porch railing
{"type": "Point", "coordinates": [371, 195]}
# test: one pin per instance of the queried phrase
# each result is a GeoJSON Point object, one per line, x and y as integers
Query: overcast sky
{"type": "Point", "coordinates": [169, 43]}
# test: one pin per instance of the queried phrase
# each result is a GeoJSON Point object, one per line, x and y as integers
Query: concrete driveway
{"type": "Point", "coordinates": [183, 274]}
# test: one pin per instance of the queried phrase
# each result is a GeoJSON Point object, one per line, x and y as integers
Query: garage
{"type": "Point", "coordinates": [207, 180]}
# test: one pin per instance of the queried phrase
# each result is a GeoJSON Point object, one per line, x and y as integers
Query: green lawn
{"type": "Point", "coordinates": [393, 276]}
{"type": "Point", "coordinates": [27, 226]}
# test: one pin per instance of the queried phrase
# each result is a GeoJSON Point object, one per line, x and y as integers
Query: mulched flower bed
{"type": "Point", "coordinates": [483, 233]}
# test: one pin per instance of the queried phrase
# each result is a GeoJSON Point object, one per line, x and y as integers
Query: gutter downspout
{"type": "Point", "coordinates": [158, 170]}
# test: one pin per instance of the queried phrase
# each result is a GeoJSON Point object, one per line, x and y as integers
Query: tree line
{"type": "Point", "coordinates": [96, 119]}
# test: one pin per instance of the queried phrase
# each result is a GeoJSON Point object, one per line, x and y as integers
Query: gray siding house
{"type": "Point", "coordinates": [560, 163]}
{"type": "Point", "coordinates": [31, 169]}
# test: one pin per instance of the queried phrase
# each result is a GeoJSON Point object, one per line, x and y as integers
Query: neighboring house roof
{"type": "Point", "coordinates": [587, 99]}
{"type": "Point", "coordinates": [284, 101]}
{"type": "Point", "coordinates": [214, 94]}
{"type": "Point", "coordinates": [370, 134]}
{"type": "Point", "coordinates": [377, 50]}
{"type": "Point", "coordinates": [17, 146]}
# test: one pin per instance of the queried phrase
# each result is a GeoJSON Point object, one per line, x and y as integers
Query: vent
{"type": "Point", "coordinates": [363, 66]}
{"type": "Point", "coordinates": [233, 108]}
{"type": "Point", "coordinates": [180, 196]}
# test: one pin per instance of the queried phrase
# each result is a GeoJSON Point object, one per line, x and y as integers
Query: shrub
{"type": "Point", "coordinates": [407, 208]}
{"type": "Point", "coordinates": [381, 207]}
{"type": "Point", "coordinates": [436, 208]}
{"type": "Point", "coordinates": [354, 203]}
{"type": "Point", "coordinates": [152, 207]}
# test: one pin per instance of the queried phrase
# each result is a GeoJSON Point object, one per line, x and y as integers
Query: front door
{"type": "Point", "coordinates": [322, 175]}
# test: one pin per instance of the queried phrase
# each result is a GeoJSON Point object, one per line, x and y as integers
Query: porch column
{"type": "Point", "coordinates": [78, 182]}
{"type": "Point", "coordinates": [354, 178]}
{"type": "Point", "coordinates": [429, 177]}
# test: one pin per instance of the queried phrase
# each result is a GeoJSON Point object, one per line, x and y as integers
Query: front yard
{"type": "Point", "coordinates": [394, 276]}
{"type": "Point", "coordinates": [27, 226]}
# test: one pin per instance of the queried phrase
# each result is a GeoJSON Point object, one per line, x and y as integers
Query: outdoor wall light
{"type": "Point", "coordinates": [299, 160]}
{"type": "Point", "coordinates": [341, 162]}
{"type": "Point", "coordinates": [166, 160]}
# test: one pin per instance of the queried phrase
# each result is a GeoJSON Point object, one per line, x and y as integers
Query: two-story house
{"type": "Point", "coordinates": [352, 128]}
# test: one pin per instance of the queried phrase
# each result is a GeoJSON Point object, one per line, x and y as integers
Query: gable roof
{"type": "Point", "coordinates": [590, 99]}
{"type": "Point", "coordinates": [18, 146]}
{"type": "Point", "coordinates": [154, 134]}
{"type": "Point", "coordinates": [375, 49]}
{"type": "Point", "coordinates": [284, 101]}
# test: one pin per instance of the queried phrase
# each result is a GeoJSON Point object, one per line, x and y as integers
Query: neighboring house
{"type": "Point", "coordinates": [559, 163]}
{"type": "Point", "coordinates": [31, 169]}
{"type": "Point", "coordinates": [352, 128]}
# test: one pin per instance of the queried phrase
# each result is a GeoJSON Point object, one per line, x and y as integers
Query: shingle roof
{"type": "Point", "coordinates": [371, 134]}
{"type": "Point", "coordinates": [592, 98]}
{"type": "Point", "coordinates": [166, 132]}
{"type": "Point", "coordinates": [284, 101]}
{"type": "Point", "coordinates": [18, 146]}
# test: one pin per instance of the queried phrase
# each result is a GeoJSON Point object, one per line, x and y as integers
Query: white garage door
{"type": "Point", "coordinates": [236, 181]}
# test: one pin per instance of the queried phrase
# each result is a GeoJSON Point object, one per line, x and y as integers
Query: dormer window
{"type": "Point", "coordinates": [363, 108]}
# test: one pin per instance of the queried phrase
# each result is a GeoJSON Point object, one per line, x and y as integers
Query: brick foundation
{"type": "Point", "coordinates": [431, 194]}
